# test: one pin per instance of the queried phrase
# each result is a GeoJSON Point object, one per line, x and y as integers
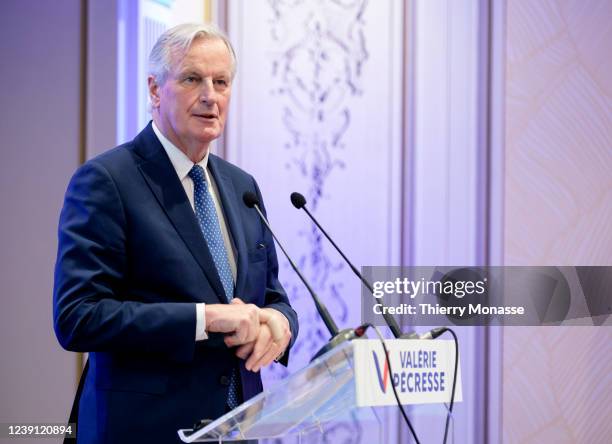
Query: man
{"type": "Point", "coordinates": [163, 275]}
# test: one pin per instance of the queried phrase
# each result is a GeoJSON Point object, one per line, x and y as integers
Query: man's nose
{"type": "Point", "coordinates": [207, 93]}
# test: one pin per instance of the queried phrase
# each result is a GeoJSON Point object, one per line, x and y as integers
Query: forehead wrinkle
{"type": "Point", "coordinates": [208, 70]}
{"type": "Point", "coordinates": [182, 59]}
{"type": "Point", "coordinates": [188, 70]}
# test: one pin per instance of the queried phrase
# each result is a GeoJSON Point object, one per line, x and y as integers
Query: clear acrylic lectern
{"type": "Point", "coordinates": [317, 397]}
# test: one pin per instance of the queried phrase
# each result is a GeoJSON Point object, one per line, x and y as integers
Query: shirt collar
{"type": "Point", "coordinates": [181, 163]}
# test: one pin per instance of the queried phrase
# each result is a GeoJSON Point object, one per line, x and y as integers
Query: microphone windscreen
{"type": "Point", "coordinates": [298, 200]}
{"type": "Point", "coordinates": [250, 199]}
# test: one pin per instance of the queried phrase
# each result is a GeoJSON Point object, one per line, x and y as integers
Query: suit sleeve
{"type": "Point", "coordinates": [275, 294]}
{"type": "Point", "coordinates": [91, 310]}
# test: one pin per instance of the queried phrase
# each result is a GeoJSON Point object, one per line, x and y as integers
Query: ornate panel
{"type": "Point", "coordinates": [317, 108]}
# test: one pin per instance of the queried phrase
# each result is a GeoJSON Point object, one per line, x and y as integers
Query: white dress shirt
{"type": "Point", "coordinates": [182, 165]}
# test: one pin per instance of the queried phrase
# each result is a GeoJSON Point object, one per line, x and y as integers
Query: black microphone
{"type": "Point", "coordinates": [431, 334]}
{"type": "Point", "coordinates": [251, 201]}
{"type": "Point", "coordinates": [299, 202]}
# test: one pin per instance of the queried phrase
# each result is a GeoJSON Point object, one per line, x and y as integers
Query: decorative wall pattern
{"type": "Point", "coordinates": [315, 109]}
{"type": "Point", "coordinates": [320, 52]}
{"type": "Point", "coordinates": [557, 382]}
{"type": "Point", "coordinates": [310, 128]}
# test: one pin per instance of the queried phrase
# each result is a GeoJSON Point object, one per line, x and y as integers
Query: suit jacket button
{"type": "Point", "coordinates": [224, 380]}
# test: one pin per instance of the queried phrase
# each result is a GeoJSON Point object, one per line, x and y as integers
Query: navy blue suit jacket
{"type": "Point", "coordinates": [132, 262]}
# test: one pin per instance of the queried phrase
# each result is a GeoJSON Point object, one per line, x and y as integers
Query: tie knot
{"type": "Point", "coordinates": [197, 175]}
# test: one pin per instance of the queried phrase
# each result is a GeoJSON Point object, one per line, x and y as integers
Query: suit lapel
{"type": "Point", "coordinates": [229, 202]}
{"type": "Point", "coordinates": [169, 192]}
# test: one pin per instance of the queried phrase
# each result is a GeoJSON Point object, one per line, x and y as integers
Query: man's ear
{"type": "Point", "coordinates": [153, 91]}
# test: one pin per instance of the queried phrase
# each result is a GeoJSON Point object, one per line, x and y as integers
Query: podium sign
{"type": "Point", "coordinates": [422, 372]}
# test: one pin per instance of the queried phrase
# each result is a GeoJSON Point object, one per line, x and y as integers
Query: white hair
{"type": "Point", "coordinates": [179, 39]}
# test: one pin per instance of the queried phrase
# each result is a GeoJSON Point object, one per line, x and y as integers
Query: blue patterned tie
{"type": "Point", "coordinates": [209, 224]}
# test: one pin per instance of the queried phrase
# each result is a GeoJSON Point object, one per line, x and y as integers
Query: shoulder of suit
{"type": "Point", "coordinates": [229, 167]}
{"type": "Point", "coordinates": [115, 160]}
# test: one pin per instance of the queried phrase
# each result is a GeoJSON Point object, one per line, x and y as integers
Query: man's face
{"type": "Point", "coordinates": [190, 107]}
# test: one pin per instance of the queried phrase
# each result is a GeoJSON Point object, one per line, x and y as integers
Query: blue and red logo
{"type": "Point", "coordinates": [384, 377]}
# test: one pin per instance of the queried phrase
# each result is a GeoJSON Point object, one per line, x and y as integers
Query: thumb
{"type": "Point", "coordinates": [237, 301]}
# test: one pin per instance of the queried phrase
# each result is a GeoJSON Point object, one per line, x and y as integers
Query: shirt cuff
{"type": "Point", "coordinates": [201, 334]}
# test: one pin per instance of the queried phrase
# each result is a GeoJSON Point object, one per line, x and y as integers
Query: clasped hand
{"type": "Point", "coordinates": [261, 334]}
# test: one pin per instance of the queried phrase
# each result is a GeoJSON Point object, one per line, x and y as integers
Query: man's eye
{"type": "Point", "coordinates": [221, 82]}
{"type": "Point", "coordinates": [191, 79]}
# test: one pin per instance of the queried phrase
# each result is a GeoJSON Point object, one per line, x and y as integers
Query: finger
{"type": "Point", "coordinates": [245, 350]}
{"type": "Point", "coordinates": [267, 358]}
{"type": "Point", "coordinates": [230, 340]}
{"type": "Point", "coordinates": [275, 321]}
{"type": "Point", "coordinates": [277, 330]}
{"type": "Point", "coordinates": [238, 337]}
{"type": "Point", "coordinates": [237, 301]}
{"type": "Point", "coordinates": [262, 344]}
{"type": "Point", "coordinates": [246, 323]}
{"type": "Point", "coordinates": [264, 315]}
{"type": "Point", "coordinates": [251, 330]}
{"type": "Point", "coordinates": [254, 360]}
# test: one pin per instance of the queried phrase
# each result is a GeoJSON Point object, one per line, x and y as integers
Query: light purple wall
{"type": "Point", "coordinates": [101, 124]}
{"type": "Point", "coordinates": [558, 381]}
{"type": "Point", "coordinates": [39, 42]}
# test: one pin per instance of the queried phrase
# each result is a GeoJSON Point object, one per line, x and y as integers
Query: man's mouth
{"type": "Point", "coordinates": [208, 116]}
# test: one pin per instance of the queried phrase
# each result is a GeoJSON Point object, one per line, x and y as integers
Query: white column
{"type": "Point", "coordinates": [448, 137]}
